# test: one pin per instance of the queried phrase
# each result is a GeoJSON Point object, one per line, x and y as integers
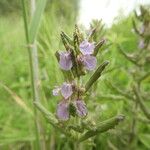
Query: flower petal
{"type": "Point", "coordinates": [87, 48]}
{"type": "Point", "coordinates": [65, 61]}
{"type": "Point", "coordinates": [63, 111]}
{"type": "Point", "coordinates": [81, 108]}
{"type": "Point", "coordinates": [89, 62]}
{"type": "Point", "coordinates": [141, 44]}
{"type": "Point", "coordinates": [56, 91]}
{"type": "Point", "coordinates": [66, 90]}
{"type": "Point", "coordinates": [142, 29]}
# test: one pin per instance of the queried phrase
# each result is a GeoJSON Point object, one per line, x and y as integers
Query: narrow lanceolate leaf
{"type": "Point", "coordinates": [35, 21]}
{"type": "Point", "coordinates": [92, 34]}
{"type": "Point", "coordinates": [96, 75]}
{"type": "Point", "coordinates": [68, 38]}
{"type": "Point", "coordinates": [135, 28]}
{"type": "Point", "coordinates": [98, 46]}
{"type": "Point", "coordinates": [102, 127]}
{"type": "Point", "coordinates": [66, 45]}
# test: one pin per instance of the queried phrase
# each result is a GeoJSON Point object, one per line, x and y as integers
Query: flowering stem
{"type": "Point", "coordinates": [141, 103]}
{"type": "Point", "coordinates": [49, 116]}
{"type": "Point", "coordinates": [96, 75]}
{"type": "Point", "coordinates": [119, 91]}
{"type": "Point", "coordinates": [102, 127]}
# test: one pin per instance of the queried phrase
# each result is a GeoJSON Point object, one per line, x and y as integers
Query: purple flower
{"type": "Point", "coordinates": [141, 44]}
{"type": "Point", "coordinates": [81, 108]}
{"type": "Point", "coordinates": [88, 61]}
{"type": "Point", "coordinates": [56, 91]}
{"type": "Point", "coordinates": [65, 61]}
{"type": "Point", "coordinates": [142, 29]}
{"type": "Point", "coordinates": [87, 48]}
{"type": "Point", "coordinates": [66, 90]}
{"type": "Point", "coordinates": [63, 111]}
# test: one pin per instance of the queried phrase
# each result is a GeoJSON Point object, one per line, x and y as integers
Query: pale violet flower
{"type": "Point", "coordinates": [142, 29]}
{"type": "Point", "coordinates": [141, 44]}
{"type": "Point", "coordinates": [65, 61]}
{"type": "Point", "coordinates": [63, 111]}
{"type": "Point", "coordinates": [80, 108]}
{"type": "Point", "coordinates": [88, 61]}
{"type": "Point", "coordinates": [66, 90]}
{"type": "Point", "coordinates": [56, 91]}
{"type": "Point", "coordinates": [87, 48]}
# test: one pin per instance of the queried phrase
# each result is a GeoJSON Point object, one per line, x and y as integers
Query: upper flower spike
{"type": "Point", "coordinates": [65, 61]}
{"type": "Point", "coordinates": [87, 48]}
{"type": "Point", "coordinates": [66, 90]}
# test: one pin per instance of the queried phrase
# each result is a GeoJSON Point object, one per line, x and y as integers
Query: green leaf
{"type": "Point", "coordinates": [35, 21]}
{"type": "Point", "coordinates": [145, 139]}
{"type": "Point", "coordinates": [96, 75]}
{"type": "Point", "coordinates": [102, 127]}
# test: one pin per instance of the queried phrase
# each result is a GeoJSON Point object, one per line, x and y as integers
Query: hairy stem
{"type": "Point", "coordinates": [102, 127]}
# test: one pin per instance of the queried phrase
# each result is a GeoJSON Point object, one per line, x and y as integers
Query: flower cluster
{"type": "Point", "coordinates": [67, 89]}
{"type": "Point", "coordinates": [78, 58]}
{"type": "Point", "coordinates": [85, 57]}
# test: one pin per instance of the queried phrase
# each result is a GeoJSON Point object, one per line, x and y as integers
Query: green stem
{"type": "Point", "coordinates": [130, 58]}
{"type": "Point", "coordinates": [98, 46]}
{"type": "Point", "coordinates": [102, 127]}
{"type": "Point", "coordinates": [141, 103]}
{"type": "Point", "coordinates": [119, 91]}
{"type": "Point", "coordinates": [33, 59]}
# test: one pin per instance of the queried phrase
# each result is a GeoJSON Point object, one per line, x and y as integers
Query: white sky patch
{"type": "Point", "coordinates": [106, 10]}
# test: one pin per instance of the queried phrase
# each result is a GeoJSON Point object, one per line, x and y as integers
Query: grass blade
{"type": "Point", "coordinates": [17, 99]}
{"type": "Point", "coordinates": [35, 21]}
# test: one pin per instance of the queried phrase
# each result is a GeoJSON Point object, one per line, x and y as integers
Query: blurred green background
{"type": "Point", "coordinates": [16, 120]}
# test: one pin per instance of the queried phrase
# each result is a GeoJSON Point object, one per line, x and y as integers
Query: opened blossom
{"type": "Point", "coordinates": [89, 62]}
{"type": "Point", "coordinates": [65, 61]}
{"type": "Point", "coordinates": [142, 29]}
{"type": "Point", "coordinates": [86, 58]}
{"type": "Point", "coordinates": [141, 44]}
{"type": "Point", "coordinates": [80, 108]}
{"type": "Point", "coordinates": [65, 89]}
{"type": "Point", "coordinates": [63, 111]}
{"type": "Point", "coordinates": [87, 48]}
